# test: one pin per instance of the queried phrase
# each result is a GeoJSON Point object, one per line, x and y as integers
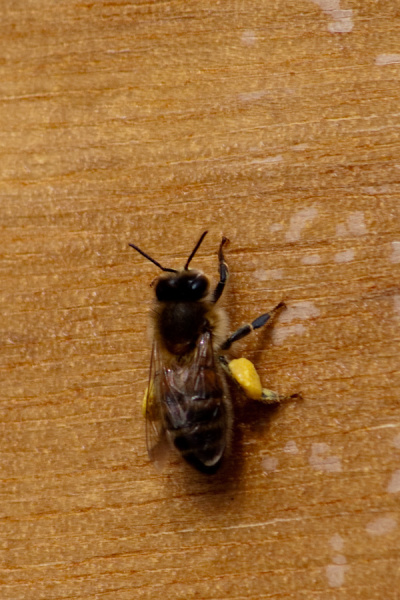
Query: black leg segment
{"type": "Point", "coordinates": [223, 272]}
{"type": "Point", "coordinates": [248, 328]}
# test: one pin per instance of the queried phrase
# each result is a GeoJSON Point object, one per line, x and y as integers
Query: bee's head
{"type": "Point", "coordinates": [184, 286]}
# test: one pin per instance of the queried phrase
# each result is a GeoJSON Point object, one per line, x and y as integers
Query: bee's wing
{"type": "Point", "coordinates": [156, 439]}
{"type": "Point", "coordinates": [171, 392]}
{"type": "Point", "coordinates": [205, 378]}
{"type": "Point", "coordinates": [198, 382]}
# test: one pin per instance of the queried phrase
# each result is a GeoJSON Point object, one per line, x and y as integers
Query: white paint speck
{"type": "Point", "coordinates": [249, 37]}
{"type": "Point", "coordinates": [387, 59]}
{"type": "Point", "coordinates": [356, 224]}
{"type": "Point", "coordinates": [251, 96]}
{"type": "Point", "coordinates": [376, 190]}
{"type": "Point", "coordinates": [269, 160]}
{"type": "Point", "coordinates": [394, 483]}
{"type": "Point", "coordinates": [300, 147]}
{"type": "Point", "coordinates": [275, 273]}
{"type": "Point", "coordinates": [261, 274]}
{"type": "Point", "coordinates": [337, 542]}
{"type": "Point", "coordinates": [267, 275]}
{"type": "Point", "coordinates": [299, 221]}
{"type": "Point", "coordinates": [278, 336]}
{"type": "Point", "coordinates": [396, 441]}
{"type": "Point", "coordinates": [299, 310]}
{"type": "Point", "coordinates": [322, 460]}
{"type": "Point", "coordinates": [395, 258]}
{"type": "Point", "coordinates": [342, 21]}
{"type": "Point", "coordinates": [276, 227]}
{"type": "Point", "coordinates": [312, 259]}
{"type": "Point", "coordinates": [269, 464]}
{"type": "Point", "coordinates": [381, 526]}
{"type": "Point", "coordinates": [119, 51]}
{"type": "Point", "coordinates": [291, 447]}
{"type": "Point", "coordinates": [341, 230]}
{"type": "Point", "coordinates": [345, 256]}
{"type": "Point", "coordinates": [396, 304]}
{"type": "Point", "coordinates": [336, 574]}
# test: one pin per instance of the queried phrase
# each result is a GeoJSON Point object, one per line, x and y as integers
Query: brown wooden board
{"type": "Point", "coordinates": [276, 124]}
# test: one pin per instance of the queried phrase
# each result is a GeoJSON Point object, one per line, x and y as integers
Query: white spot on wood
{"type": "Point", "coordinates": [269, 464]}
{"type": "Point", "coordinates": [337, 542]}
{"type": "Point", "coordinates": [249, 37]}
{"type": "Point", "coordinates": [269, 160]}
{"type": "Point", "coordinates": [394, 483]}
{"type": "Point", "coordinates": [395, 258]}
{"type": "Point", "coordinates": [387, 59]}
{"type": "Point", "coordinates": [341, 230]}
{"type": "Point", "coordinates": [291, 447]}
{"type": "Point", "coordinates": [251, 96]}
{"type": "Point", "coordinates": [322, 460]}
{"type": "Point", "coordinates": [279, 335]}
{"type": "Point", "coordinates": [335, 574]}
{"type": "Point", "coordinates": [276, 227]}
{"type": "Point", "coordinates": [342, 21]}
{"type": "Point", "coordinates": [396, 303]}
{"type": "Point", "coordinates": [300, 147]}
{"type": "Point", "coordinates": [312, 259]}
{"type": "Point", "coordinates": [345, 256]}
{"type": "Point", "coordinates": [267, 275]}
{"type": "Point", "coordinates": [355, 223]}
{"type": "Point", "coordinates": [381, 526]}
{"type": "Point", "coordinates": [376, 190]}
{"type": "Point", "coordinates": [299, 221]}
{"type": "Point", "coordinates": [299, 310]}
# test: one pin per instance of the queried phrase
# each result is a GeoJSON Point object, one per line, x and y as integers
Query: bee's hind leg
{"type": "Point", "coordinates": [243, 372]}
{"type": "Point", "coordinates": [270, 397]}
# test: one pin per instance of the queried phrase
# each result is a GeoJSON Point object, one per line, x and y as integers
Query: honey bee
{"type": "Point", "coordinates": [187, 404]}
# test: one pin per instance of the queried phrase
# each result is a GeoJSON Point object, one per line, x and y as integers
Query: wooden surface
{"type": "Point", "coordinates": [276, 124]}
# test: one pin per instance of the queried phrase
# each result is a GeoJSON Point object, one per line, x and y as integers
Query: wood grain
{"type": "Point", "coordinates": [276, 124]}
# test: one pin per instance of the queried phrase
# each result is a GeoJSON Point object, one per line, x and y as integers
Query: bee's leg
{"type": "Point", "coordinates": [248, 328]}
{"type": "Point", "coordinates": [244, 374]}
{"type": "Point", "coordinates": [223, 272]}
{"type": "Point", "coordinates": [270, 397]}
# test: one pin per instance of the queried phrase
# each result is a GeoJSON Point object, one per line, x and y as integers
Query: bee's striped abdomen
{"type": "Point", "coordinates": [203, 438]}
{"type": "Point", "coordinates": [196, 409]}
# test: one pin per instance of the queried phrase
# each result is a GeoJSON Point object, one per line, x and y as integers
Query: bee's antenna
{"type": "Point", "coordinates": [203, 235]}
{"type": "Point", "coordinates": [152, 259]}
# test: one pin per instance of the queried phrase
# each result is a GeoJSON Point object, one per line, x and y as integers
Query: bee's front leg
{"type": "Point", "coordinates": [223, 272]}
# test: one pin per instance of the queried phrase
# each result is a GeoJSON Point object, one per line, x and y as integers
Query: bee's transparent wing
{"type": "Point", "coordinates": [156, 439]}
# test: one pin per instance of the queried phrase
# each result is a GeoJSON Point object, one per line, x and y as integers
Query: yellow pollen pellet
{"type": "Point", "coordinates": [244, 372]}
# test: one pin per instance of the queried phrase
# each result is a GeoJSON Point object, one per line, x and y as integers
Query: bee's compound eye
{"type": "Point", "coordinates": [183, 287]}
{"type": "Point", "coordinates": [199, 286]}
{"type": "Point", "coordinates": [166, 289]}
